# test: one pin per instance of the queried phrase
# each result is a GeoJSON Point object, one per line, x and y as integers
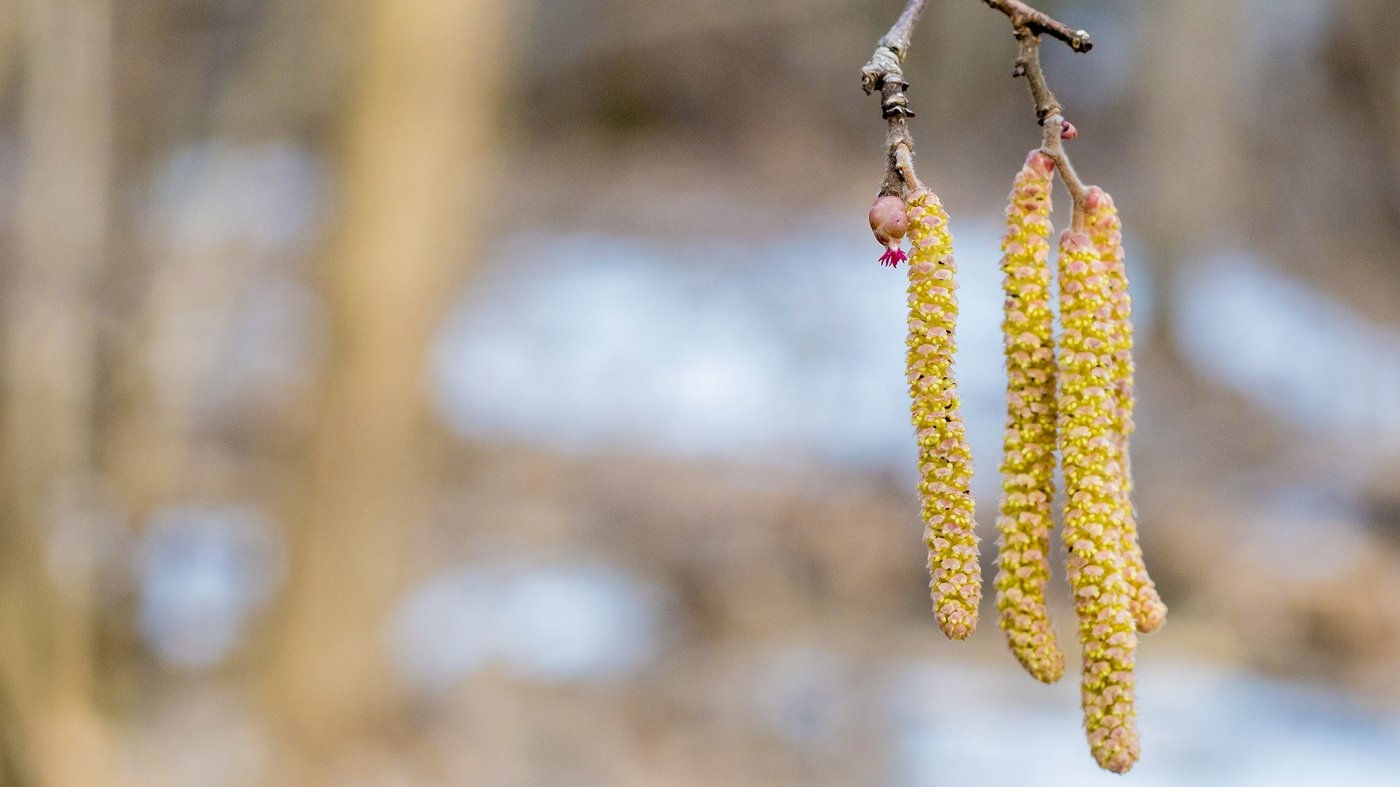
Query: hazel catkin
{"type": "Point", "coordinates": [945, 463]}
{"type": "Point", "coordinates": [1106, 233]}
{"type": "Point", "coordinates": [1028, 463]}
{"type": "Point", "coordinates": [1094, 517]}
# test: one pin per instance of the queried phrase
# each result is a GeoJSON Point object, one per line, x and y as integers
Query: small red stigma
{"type": "Point", "coordinates": [893, 256]}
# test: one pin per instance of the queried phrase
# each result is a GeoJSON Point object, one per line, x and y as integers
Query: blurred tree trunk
{"type": "Point", "coordinates": [415, 150]}
{"type": "Point", "coordinates": [1188, 142]}
{"type": "Point", "coordinates": [1190, 138]}
{"type": "Point", "coordinates": [53, 736]}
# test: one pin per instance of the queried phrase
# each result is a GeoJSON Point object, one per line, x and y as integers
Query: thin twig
{"type": "Point", "coordinates": [885, 72]}
{"type": "Point", "coordinates": [1028, 66]}
{"type": "Point", "coordinates": [1053, 146]}
{"type": "Point", "coordinates": [1029, 24]}
{"type": "Point", "coordinates": [896, 42]}
{"type": "Point", "coordinates": [904, 164]}
{"type": "Point", "coordinates": [1049, 114]}
{"type": "Point", "coordinates": [1038, 22]}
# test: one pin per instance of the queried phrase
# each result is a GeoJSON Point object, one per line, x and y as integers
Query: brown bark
{"type": "Point", "coordinates": [415, 151]}
{"type": "Point", "coordinates": [52, 735]}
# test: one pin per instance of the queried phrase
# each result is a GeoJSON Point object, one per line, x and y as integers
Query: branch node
{"type": "Point", "coordinates": [884, 72]}
{"type": "Point", "coordinates": [1027, 24]}
{"type": "Point", "coordinates": [896, 104]}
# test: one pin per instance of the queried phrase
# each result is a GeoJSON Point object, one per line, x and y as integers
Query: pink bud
{"type": "Point", "coordinates": [1068, 131]}
{"type": "Point", "coordinates": [889, 220]}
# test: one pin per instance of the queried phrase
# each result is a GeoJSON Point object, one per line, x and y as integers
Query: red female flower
{"type": "Point", "coordinates": [889, 221]}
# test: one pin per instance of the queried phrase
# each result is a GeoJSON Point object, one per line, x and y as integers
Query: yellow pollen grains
{"type": "Point", "coordinates": [1106, 232]}
{"type": "Point", "coordinates": [1028, 462]}
{"type": "Point", "coordinates": [1095, 516]}
{"type": "Point", "coordinates": [945, 463]}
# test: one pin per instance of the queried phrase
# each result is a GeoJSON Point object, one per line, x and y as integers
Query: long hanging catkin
{"type": "Point", "coordinates": [945, 464]}
{"type": "Point", "coordinates": [1093, 514]}
{"type": "Point", "coordinates": [1106, 233]}
{"type": "Point", "coordinates": [1028, 462]}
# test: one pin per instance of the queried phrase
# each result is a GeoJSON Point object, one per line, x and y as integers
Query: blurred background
{"type": "Point", "coordinates": [463, 392]}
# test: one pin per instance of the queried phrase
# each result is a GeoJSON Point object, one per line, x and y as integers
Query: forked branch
{"type": "Point", "coordinates": [1049, 114]}
{"type": "Point", "coordinates": [1029, 24]}
{"type": "Point", "coordinates": [884, 72]}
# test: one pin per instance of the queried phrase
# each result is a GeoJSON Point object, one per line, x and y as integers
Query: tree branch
{"type": "Point", "coordinates": [1038, 22]}
{"type": "Point", "coordinates": [1028, 25]}
{"type": "Point", "coordinates": [885, 72]}
{"type": "Point", "coordinates": [1028, 66]}
{"type": "Point", "coordinates": [894, 44]}
{"type": "Point", "coordinates": [1049, 114]}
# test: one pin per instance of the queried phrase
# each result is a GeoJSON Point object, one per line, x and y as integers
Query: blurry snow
{"type": "Point", "coordinates": [547, 622]}
{"type": "Point", "coordinates": [804, 695]}
{"type": "Point", "coordinates": [268, 195]}
{"type": "Point", "coordinates": [1308, 534]}
{"type": "Point", "coordinates": [785, 352]}
{"type": "Point", "coordinates": [957, 724]}
{"type": "Point", "coordinates": [204, 571]}
{"type": "Point", "coordinates": [765, 352]}
{"type": "Point", "coordinates": [233, 329]}
{"type": "Point", "coordinates": [1306, 358]}
{"type": "Point", "coordinates": [270, 347]}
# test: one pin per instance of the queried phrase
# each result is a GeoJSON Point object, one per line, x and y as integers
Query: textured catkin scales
{"type": "Point", "coordinates": [1094, 516]}
{"type": "Point", "coordinates": [1028, 463]}
{"type": "Point", "coordinates": [1105, 231]}
{"type": "Point", "coordinates": [945, 464]}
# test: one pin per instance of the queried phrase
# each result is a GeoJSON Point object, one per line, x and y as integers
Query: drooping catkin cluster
{"type": "Point", "coordinates": [1028, 463]}
{"type": "Point", "coordinates": [1072, 396]}
{"type": "Point", "coordinates": [1076, 399]}
{"type": "Point", "coordinates": [1106, 232]}
{"type": "Point", "coordinates": [1095, 521]}
{"type": "Point", "coordinates": [945, 463]}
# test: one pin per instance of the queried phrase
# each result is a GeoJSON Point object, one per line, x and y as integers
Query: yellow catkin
{"type": "Point", "coordinates": [945, 464]}
{"type": "Point", "coordinates": [1106, 232]}
{"type": "Point", "coordinates": [1094, 520]}
{"type": "Point", "coordinates": [1028, 462]}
